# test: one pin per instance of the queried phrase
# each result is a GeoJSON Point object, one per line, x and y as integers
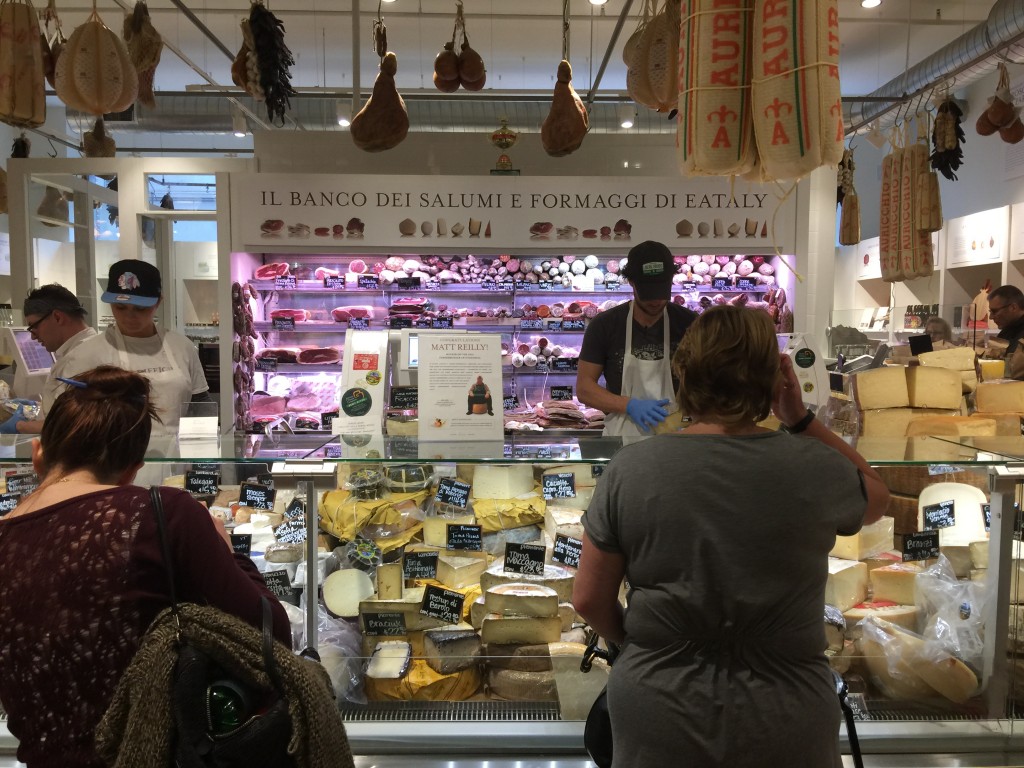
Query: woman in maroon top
{"type": "Point", "coordinates": [81, 571]}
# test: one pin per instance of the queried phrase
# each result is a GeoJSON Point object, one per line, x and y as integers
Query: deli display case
{"type": "Point", "coordinates": [443, 582]}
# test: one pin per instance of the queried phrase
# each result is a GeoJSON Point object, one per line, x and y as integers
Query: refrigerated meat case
{"type": "Point", "coordinates": [986, 730]}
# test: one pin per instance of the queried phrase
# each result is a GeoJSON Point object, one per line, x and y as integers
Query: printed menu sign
{"type": "Point", "coordinates": [567, 551]}
{"type": "Point", "coordinates": [460, 387]}
{"type": "Point", "coordinates": [524, 558]}
{"type": "Point", "coordinates": [443, 604]}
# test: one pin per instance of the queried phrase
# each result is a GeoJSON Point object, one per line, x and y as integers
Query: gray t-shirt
{"type": "Point", "coordinates": [725, 541]}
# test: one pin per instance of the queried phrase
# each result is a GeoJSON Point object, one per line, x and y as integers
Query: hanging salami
{"type": "Point", "coordinates": [22, 70]}
{"type": "Point", "coordinates": [888, 247]}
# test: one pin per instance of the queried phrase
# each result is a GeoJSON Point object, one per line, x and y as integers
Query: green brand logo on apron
{"type": "Point", "coordinates": [804, 358]}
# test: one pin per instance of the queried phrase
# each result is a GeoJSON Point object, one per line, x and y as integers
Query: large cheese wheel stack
{"type": "Point", "coordinates": [715, 129]}
{"type": "Point", "coordinates": [798, 115]}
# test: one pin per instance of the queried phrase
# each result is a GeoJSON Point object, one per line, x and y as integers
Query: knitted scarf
{"type": "Point", "coordinates": [138, 729]}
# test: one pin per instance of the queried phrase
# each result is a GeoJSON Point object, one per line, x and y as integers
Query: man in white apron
{"type": "Point", "coordinates": [167, 358]}
{"type": "Point", "coordinates": [631, 347]}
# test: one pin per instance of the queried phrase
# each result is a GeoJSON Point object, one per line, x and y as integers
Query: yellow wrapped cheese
{"type": "Point", "coordinates": [344, 516]}
{"type": "Point", "coordinates": [421, 683]}
{"type": "Point", "coordinates": [502, 514]}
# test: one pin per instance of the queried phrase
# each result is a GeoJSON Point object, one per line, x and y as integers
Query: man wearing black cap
{"type": "Point", "coordinates": [134, 342]}
{"type": "Point", "coordinates": [56, 319]}
{"type": "Point", "coordinates": [631, 346]}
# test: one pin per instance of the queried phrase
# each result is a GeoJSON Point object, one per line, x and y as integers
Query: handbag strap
{"type": "Point", "coordinates": [165, 548]}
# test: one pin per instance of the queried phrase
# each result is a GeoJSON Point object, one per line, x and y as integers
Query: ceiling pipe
{"type": "Point", "coordinates": [960, 63]}
{"type": "Point", "coordinates": [356, 69]}
{"type": "Point", "coordinates": [197, 22]}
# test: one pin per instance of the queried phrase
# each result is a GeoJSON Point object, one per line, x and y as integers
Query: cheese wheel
{"type": "Point", "coordinates": [901, 615]}
{"type": "Point", "coordinates": [519, 685]}
{"type": "Point", "coordinates": [520, 599]}
{"type": "Point", "coordinates": [343, 591]}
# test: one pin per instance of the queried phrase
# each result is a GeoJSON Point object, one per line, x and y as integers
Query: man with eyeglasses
{"type": "Point", "coordinates": [1006, 309]}
{"type": "Point", "coordinates": [56, 319]}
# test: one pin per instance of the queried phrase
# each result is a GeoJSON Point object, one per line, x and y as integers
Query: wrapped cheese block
{"type": "Point", "coordinates": [421, 683]}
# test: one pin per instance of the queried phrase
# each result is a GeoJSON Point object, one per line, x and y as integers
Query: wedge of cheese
{"type": "Point", "coordinates": [1000, 396]}
{"type": "Point", "coordinates": [968, 381]}
{"type": "Point", "coordinates": [901, 615]}
{"type": "Point", "coordinates": [556, 577]}
{"type": "Point", "coordinates": [458, 571]}
{"type": "Point", "coordinates": [435, 529]}
{"type": "Point", "coordinates": [421, 683]}
{"type": "Point", "coordinates": [519, 685]}
{"type": "Point", "coordinates": [847, 583]}
{"type": "Point", "coordinates": [959, 359]}
{"type": "Point", "coordinates": [951, 426]}
{"type": "Point", "coordinates": [450, 649]}
{"type": "Point", "coordinates": [520, 629]}
{"type": "Point", "coordinates": [1007, 424]}
{"type": "Point", "coordinates": [884, 387]}
{"type": "Point", "coordinates": [390, 660]}
{"type": "Point", "coordinates": [502, 481]}
{"type": "Point", "coordinates": [520, 599]}
{"type": "Point", "coordinates": [992, 369]}
{"type": "Point", "coordinates": [563, 520]}
{"type": "Point", "coordinates": [870, 540]}
{"type": "Point", "coordinates": [895, 583]}
{"type": "Point", "coordinates": [933, 387]}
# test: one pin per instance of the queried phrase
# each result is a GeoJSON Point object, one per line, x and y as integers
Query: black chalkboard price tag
{"type": "Point", "coordinates": [563, 392]}
{"type": "Point", "coordinates": [291, 531]}
{"type": "Point", "coordinates": [524, 558]}
{"type": "Point", "coordinates": [396, 323]}
{"type": "Point", "coordinates": [266, 364]}
{"type": "Point", "coordinates": [407, 282]}
{"type": "Point", "coordinates": [719, 284]}
{"type": "Point", "coordinates": [542, 365]}
{"type": "Point", "coordinates": [565, 365]}
{"type": "Point", "coordinates": [554, 325]}
{"type": "Point", "coordinates": [920, 546]}
{"type": "Point", "coordinates": [405, 398]}
{"type": "Point", "coordinates": [596, 470]}
{"type": "Point", "coordinates": [452, 492]}
{"type": "Point", "coordinates": [575, 324]}
{"type": "Point", "coordinates": [241, 543]}
{"type": "Point", "coordinates": [523, 285]}
{"type": "Point", "coordinates": [359, 323]}
{"type": "Point", "coordinates": [543, 452]}
{"type": "Point", "coordinates": [506, 285]}
{"type": "Point", "coordinates": [327, 419]}
{"type": "Point", "coordinates": [296, 510]}
{"type": "Point", "coordinates": [23, 483]}
{"type": "Point", "coordinates": [986, 510]}
{"type": "Point", "coordinates": [8, 501]}
{"type": "Point", "coordinates": [544, 285]}
{"type": "Point", "coordinates": [420, 565]}
{"type": "Point", "coordinates": [384, 624]}
{"type": "Point", "coordinates": [202, 483]}
{"type": "Point", "coordinates": [265, 478]}
{"type": "Point", "coordinates": [467, 537]}
{"type": "Point", "coordinates": [745, 284]}
{"type": "Point", "coordinates": [531, 325]}
{"type": "Point", "coordinates": [332, 451]}
{"type": "Point", "coordinates": [281, 586]}
{"type": "Point", "coordinates": [443, 604]}
{"type": "Point", "coordinates": [510, 402]}
{"type": "Point", "coordinates": [283, 323]}
{"type": "Point", "coordinates": [285, 282]}
{"type": "Point", "coordinates": [368, 281]}
{"type": "Point", "coordinates": [441, 323]}
{"type": "Point", "coordinates": [561, 485]}
{"type": "Point", "coordinates": [422, 322]}
{"type": "Point", "coordinates": [335, 282]}
{"type": "Point", "coordinates": [256, 496]}
{"type": "Point", "coordinates": [567, 550]}
{"type": "Point", "coordinates": [940, 515]}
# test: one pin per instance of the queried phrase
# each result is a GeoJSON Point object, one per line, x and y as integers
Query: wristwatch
{"type": "Point", "coordinates": [801, 425]}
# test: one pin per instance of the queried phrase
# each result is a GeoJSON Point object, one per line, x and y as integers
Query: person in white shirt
{"type": "Point", "coordinates": [134, 342]}
{"type": "Point", "coordinates": [56, 319]}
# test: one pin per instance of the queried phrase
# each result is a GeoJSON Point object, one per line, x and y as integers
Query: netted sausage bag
{"type": "Point", "coordinates": [715, 131]}
{"type": "Point", "coordinates": [798, 114]}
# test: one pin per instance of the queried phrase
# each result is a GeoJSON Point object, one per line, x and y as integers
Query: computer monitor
{"type": "Point", "coordinates": [31, 361]}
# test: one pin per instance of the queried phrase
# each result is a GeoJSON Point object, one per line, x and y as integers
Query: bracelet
{"type": "Point", "coordinates": [801, 425]}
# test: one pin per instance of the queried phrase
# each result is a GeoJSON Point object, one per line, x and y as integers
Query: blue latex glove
{"type": "Point", "coordinates": [646, 414]}
{"type": "Point", "coordinates": [10, 427]}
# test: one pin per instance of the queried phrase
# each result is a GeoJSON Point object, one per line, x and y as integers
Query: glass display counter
{"type": "Point", "coordinates": [443, 576]}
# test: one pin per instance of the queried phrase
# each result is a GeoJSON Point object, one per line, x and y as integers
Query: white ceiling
{"type": "Point", "coordinates": [520, 41]}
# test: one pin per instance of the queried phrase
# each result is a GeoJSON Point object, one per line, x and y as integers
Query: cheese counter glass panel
{"type": "Point", "coordinates": [444, 576]}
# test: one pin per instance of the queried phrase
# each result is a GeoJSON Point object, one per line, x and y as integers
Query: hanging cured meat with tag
{"type": "Point", "coordinates": [383, 122]}
{"type": "Point", "coordinates": [798, 115]}
{"type": "Point", "coordinates": [715, 129]}
{"type": "Point", "coordinates": [567, 122]}
{"type": "Point", "coordinates": [144, 47]}
{"type": "Point", "coordinates": [22, 70]}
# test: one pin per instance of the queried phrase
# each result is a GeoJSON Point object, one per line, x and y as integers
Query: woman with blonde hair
{"type": "Point", "coordinates": [722, 533]}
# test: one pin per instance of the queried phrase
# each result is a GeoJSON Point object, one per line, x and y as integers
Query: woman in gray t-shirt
{"type": "Point", "coordinates": [722, 532]}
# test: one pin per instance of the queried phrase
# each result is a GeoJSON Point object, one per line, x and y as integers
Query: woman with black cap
{"type": "Point", "coordinates": [134, 342]}
{"type": "Point", "coordinates": [631, 346]}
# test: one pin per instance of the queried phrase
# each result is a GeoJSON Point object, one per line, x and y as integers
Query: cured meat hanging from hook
{"type": "Point", "coordinates": [567, 122]}
{"type": "Point", "coordinates": [144, 47]}
{"type": "Point", "coordinates": [383, 122]}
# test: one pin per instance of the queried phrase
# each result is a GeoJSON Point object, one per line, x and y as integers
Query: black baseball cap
{"type": "Point", "coordinates": [649, 269]}
{"type": "Point", "coordinates": [133, 281]}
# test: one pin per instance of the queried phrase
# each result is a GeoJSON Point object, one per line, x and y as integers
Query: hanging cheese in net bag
{"type": "Point", "coordinates": [715, 130]}
{"type": "Point", "coordinates": [22, 71]}
{"type": "Point", "coordinates": [634, 56]}
{"type": "Point", "coordinates": [798, 114]}
{"type": "Point", "coordinates": [658, 56]}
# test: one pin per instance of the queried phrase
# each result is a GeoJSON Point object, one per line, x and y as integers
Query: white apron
{"type": "Point", "coordinates": [169, 389]}
{"type": "Point", "coordinates": [643, 379]}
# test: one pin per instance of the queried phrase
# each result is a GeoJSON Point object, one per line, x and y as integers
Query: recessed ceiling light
{"type": "Point", "coordinates": [626, 113]}
{"type": "Point", "coordinates": [341, 110]}
{"type": "Point", "coordinates": [239, 124]}
{"type": "Point", "coordinates": [870, 3]}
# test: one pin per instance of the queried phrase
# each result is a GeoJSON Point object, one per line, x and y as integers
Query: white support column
{"type": "Point", "coordinates": [816, 253]}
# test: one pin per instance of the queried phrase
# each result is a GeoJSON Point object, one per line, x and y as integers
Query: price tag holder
{"type": "Point", "coordinates": [442, 604]}
{"type": "Point", "coordinates": [467, 537]}
{"type": "Point", "coordinates": [453, 493]}
{"type": "Point", "coordinates": [720, 284]}
{"type": "Point", "coordinates": [559, 486]}
{"type": "Point", "coordinates": [407, 282]}
{"type": "Point", "coordinates": [567, 551]}
{"type": "Point", "coordinates": [524, 558]}
{"type": "Point", "coordinates": [541, 366]}
{"type": "Point", "coordinates": [543, 452]}
{"type": "Point", "coordinates": [576, 324]}
{"type": "Point", "coordinates": [285, 282]}
{"type": "Point", "coordinates": [296, 510]}
{"type": "Point", "coordinates": [405, 398]}
{"type": "Point", "coordinates": [506, 286]}
{"type": "Point", "coordinates": [281, 586]}
{"type": "Point", "coordinates": [397, 323]}
{"type": "Point", "coordinates": [423, 322]}
{"type": "Point", "coordinates": [441, 323]}
{"type": "Point", "coordinates": [544, 285]}
{"type": "Point", "coordinates": [8, 501]}
{"type": "Point", "coordinates": [420, 565]}
{"type": "Point", "coordinates": [368, 281]}
{"type": "Point", "coordinates": [332, 451]}
{"type": "Point", "coordinates": [283, 323]}
{"type": "Point", "coordinates": [207, 467]}
{"type": "Point", "coordinates": [256, 496]}
{"type": "Point", "coordinates": [510, 402]}
{"type": "Point", "coordinates": [920, 546]}
{"type": "Point", "coordinates": [687, 286]}
{"type": "Point", "coordinates": [266, 364]}
{"type": "Point", "coordinates": [554, 325]}
{"type": "Point", "coordinates": [384, 624]}
{"type": "Point", "coordinates": [202, 483]}
{"type": "Point", "coordinates": [359, 324]}
{"type": "Point", "coordinates": [745, 284]}
{"type": "Point", "coordinates": [942, 469]}
{"type": "Point", "coordinates": [531, 325]}
{"type": "Point", "coordinates": [335, 283]}
{"type": "Point", "coordinates": [523, 285]}
{"type": "Point", "coordinates": [563, 392]}
{"type": "Point", "coordinates": [940, 515]}
{"type": "Point", "coordinates": [241, 543]}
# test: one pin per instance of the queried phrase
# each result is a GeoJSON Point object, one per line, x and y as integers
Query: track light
{"type": "Point", "coordinates": [598, 2]}
{"type": "Point", "coordinates": [626, 114]}
{"type": "Point", "coordinates": [870, 3]}
{"type": "Point", "coordinates": [341, 109]}
{"type": "Point", "coordinates": [238, 124]}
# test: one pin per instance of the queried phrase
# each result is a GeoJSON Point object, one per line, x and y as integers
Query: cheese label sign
{"type": "Point", "coordinates": [420, 565]}
{"type": "Point", "coordinates": [940, 515]}
{"type": "Point", "coordinates": [281, 586]}
{"type": "Point", "coordinates": [296, 510]}
{"type": "Point", "coordinates": [920, 546]}
{"type": "Point", "coordinates": [567, 551]}
{"type": "Point", "coordinates": [257, 496]}
{"type": "Point", "coordinates": [22, 483]}
{"type": "Point", "coordinates": [405, 398]}
{"type": "Point", "coordinates": [452, 492]}
{"type": "Point", "coordinates": [524, 558]}
{"type": "Point", "coordinates": [561, 485]}
{"type": "Point", "coordinates": [291, 531]}
{"type": "Point", "coordinates": [8, 501]}
{"type": "Point", "coordinates": [241, 543]}
{"type": "Point", "coordinates": [384, 624]}
{"type": "Point", "coordinates": [202, 483]}
{"type": "Point", "coordinates": [469, 537]}
{"type": "Point", "coordinates": [443, 604]}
